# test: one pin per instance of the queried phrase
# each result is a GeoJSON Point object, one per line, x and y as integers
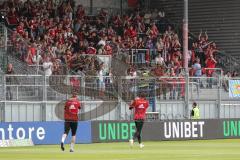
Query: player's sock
{"type": "Point", "coordinates": [131, 141]}
{"type": "Point", "coordinates": [71, 147]}
{"type": "Point", "coordinates": [141, 145]}
{"type": "Point", "coordinates": [63, 139]}
{"type": "Point", "coordinates": [62, 146]}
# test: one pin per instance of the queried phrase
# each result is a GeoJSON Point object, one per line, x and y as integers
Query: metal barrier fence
{"type": "Point", "coordinates": [21, 111]}
{"type": "Point", "coordinates": [38, 87]}
{"type": "Point", "coordinates": [40, 98]}
{"type": "Point", "coordinates": [140, 57]}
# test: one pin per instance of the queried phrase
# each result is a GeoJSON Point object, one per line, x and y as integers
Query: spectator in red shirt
{"type": "Point", "coordinates": [80, 12]}
{"type": "Point", "coordinates": [12, 17]}
{"type": "Point", "coordinates": [153, 32]}
{"type": "Point", "coordinates": [108, 49]}
{"type": "Point", "coordinates": [140, 105]}
{"type": "Point", "coordinates": [20, 29]}
{"type": "Point", "coordinates": [210, 66]}
{"type": "Point", "coordinates": [75, 83]}
{"type": "Point", "coordinates": [181, 86]}
{"type": "Point", "coordinates": [71, 109]}
{"type": "Point", "coordinates": [130, 32]}
{"type": "Point", "coordinates": [173, 84]}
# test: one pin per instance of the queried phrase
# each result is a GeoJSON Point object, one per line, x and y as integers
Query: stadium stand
{"type": "Point", "coordinates": [148, 41]}
{"type": "Point", "coordinates": [216, 18]}
{"type": "Point", "coordinates": [133, 31]}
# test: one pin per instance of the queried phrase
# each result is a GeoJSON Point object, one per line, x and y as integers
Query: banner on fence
{"type": "Point", "coordinates": [234, 88]}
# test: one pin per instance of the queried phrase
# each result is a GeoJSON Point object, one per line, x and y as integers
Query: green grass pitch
{"type": "Point", "coordinates": [164, 150]}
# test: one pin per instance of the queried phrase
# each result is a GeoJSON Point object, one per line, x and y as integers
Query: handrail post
{"type": "Point", "coordinates": [132, 56]}
{"type": "Point", "coordinates": [82, 92]}
{"type": "Point", "coordinates": [219, 95]}
{"type": "Point", "coordinates": [187, 109]}
{"type": "Point", "coordinates": [119, 91]}
{"type": "Point", "coordinates": [5, 37]}
{"type": "Point", "coordinates": [44, 104]}
{"type": "Point", "coordinates": [185, 53]}
{"type": "Point", "coordinates": [4, 98]}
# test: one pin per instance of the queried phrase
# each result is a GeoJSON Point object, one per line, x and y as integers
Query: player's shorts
{"type": "Point", "coordinates": [70, 125]}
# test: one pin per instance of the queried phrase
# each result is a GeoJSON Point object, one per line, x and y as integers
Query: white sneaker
{"type": "Point", "coordinates": [131, 142]}
{"type": "Point", "coordinates": [141, 145]}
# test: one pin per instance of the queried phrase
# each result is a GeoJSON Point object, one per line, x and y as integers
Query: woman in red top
{"type": "Point", "coordinates": [210, 65]}
{"type": "Point", "coordinates": [173, 84]}
{"type": "Point", "coordinates": [12, 17]}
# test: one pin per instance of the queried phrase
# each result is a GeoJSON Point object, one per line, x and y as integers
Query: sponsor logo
{"type": "Point", "coordinates": [22, 133]}
{"type": "Point", "coordinates": [181, 130]}
{"type": "Point", "coordinates": [231, 128]}
{"type": "Point", "coordinates": [115, 131]}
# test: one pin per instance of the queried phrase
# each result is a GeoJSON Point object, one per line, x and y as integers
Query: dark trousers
{"type": "Point", "coordinates": [139, 126]}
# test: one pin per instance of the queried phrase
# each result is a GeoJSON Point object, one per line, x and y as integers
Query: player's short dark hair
{"type": "Point", "coordinates": [142, 94]}
{"type": "Point", "coordinates": [74, 93]}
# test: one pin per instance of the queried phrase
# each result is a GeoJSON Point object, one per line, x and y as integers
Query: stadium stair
{"type": "Point", "coordinates": [219, 18]}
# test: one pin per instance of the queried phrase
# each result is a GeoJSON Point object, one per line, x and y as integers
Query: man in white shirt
{"type": "Point", "coordinates": [47, 67]}
{"type": "Point", "coordinates": [102, 41]}
{"type": "Point", "coordinates": [159, 60]}
{"type": "Point", "coordinates": [101, 80]}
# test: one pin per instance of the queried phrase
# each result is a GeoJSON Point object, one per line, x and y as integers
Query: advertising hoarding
{"type": "Point", "coordinates": [43, 132]}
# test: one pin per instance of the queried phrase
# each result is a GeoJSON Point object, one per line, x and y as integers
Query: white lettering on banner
{"type": "Point", "coordinates": [19, 130]}
{"type": "Point", "coordinates": [21, 133]}
{"type": "Point", "coordinates": [181, 131]}
{"type": "Point", "coordinates": [167, 135]}
{"type": "Point", "coordinates": [175, 130]}
{"type": "Point", "coordinates": [40, 133]}
{"type": "Point", "coordinates": [30, 132]}
{"type": "Point", "coordinates": [194, 130]}
{"type": "Point", "coordinates": [201, 123]}
{"type": "Point", "coordinates": [10, 130]}
{"type": "Point", "coordinates": [2, 133]}
{"type": "Point", "coordinates": [186, 130]}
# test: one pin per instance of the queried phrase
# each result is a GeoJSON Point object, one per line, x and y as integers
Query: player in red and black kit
{"type": "Point", "coordinates": [140, 105]}
{"type": "Point", "coordinates": [71, 109]}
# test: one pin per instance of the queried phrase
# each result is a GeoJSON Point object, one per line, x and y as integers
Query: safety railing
{"type": "Point", "coordinates": [165, 88]}
{"type": "Point", "coordinates": [166, 95]}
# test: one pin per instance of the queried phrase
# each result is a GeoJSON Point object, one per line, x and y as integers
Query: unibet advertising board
{"type": "Point", "coordinates": [112, 131]}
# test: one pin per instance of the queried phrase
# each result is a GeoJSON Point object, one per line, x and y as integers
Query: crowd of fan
{"type": "Point", "coordinates": [50, 34]}
{"type": "Point", "coordinates": [64, 34]}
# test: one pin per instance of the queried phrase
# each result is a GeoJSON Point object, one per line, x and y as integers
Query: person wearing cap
{"type": "Point", "coordinates": [71, 110]}
{"type": "Point", "coordinates": [140, 105]}
{"type": "Point", "coordinates": [195, 113]}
